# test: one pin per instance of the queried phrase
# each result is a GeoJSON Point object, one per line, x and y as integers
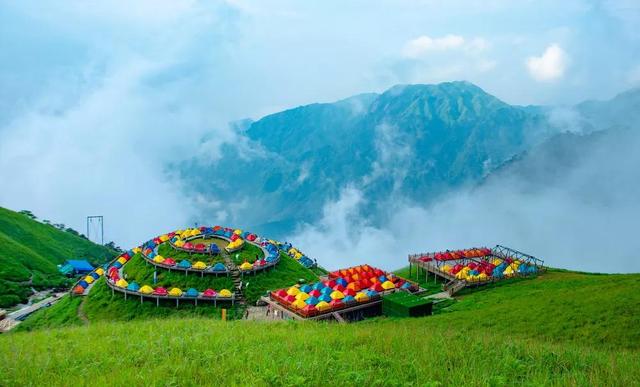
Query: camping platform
{"type": "Point", "coordinates": [346, 314]}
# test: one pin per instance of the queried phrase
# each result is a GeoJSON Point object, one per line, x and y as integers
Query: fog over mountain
{"type": "Point", "coordinates": [426, 167]}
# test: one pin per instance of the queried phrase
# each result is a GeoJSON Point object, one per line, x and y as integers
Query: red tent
{"type": "Point", "coordinates": [377, 287]}
{"type": "Point", "coordinates": [169, 262]}
{"type": "Point", "coordinates": [336, 304]}
{"type": "Point", "coordinates": [160, 291]}
{"type": "Point", "coordinates": [314, 293]}
{"type": "Point", "coordinates": [78, 289]}
{"type": "Point", "coordinates": [209, 293]}
{"type": "Point", "coordinates": [289, 299]}
{"type": "Point", "coordinates": [234, 237]}
{"type": "Point", "coordinates": [348, 292]}
{"type": "Point", "coordinates": [339, 288]}
{"type": "Point", "coordinates": [216, 228]}
{"type": "Point", "coordinates": [251, 238]}
{"type": "Point", "coordinates": [330, 283]}
{"type": "Point", "coordinates": [282, 293]}
{"type": "Point", "coordinates": [188, 246]}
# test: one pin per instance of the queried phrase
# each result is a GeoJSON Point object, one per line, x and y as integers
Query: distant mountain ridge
{"type": "Point", "coordinates": [413, 143]}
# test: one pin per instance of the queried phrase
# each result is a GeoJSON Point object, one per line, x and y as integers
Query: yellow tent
{"type": "Point", "coordinates": [164, 238]}
{"type": "Point", "coordinates": [361, 297]}
{"type": "Point", "coordinates": [302, 296]}
{"type": "Point", "coordinates": [175, 292]}
{"type": "Point", "coordinates": [297, 255]}
{"type": "Point", "coordinates": [336, 295]}
{"type": "Point", "coordinates": [237, 232]}
{"type": "Point", "coordinates": [199, 265]}
{"type": "Point", "coordinates": [224, 293]}
{"type": "Point", "coordinates": [122, 283]}
{"type": "Point", "coordinates": [446, 268]}
{"type": "Point", "coordinates": [179, 243]}
{"type": "Point", "coordinates": [195, 232]}
{"type": "Point", "coordinates": [482, 277]}
{"type": "Point", "coordinates": [386, 285]}
{"type": "Point", "coordinates": [298, 304]}
{"type": "Point", "coordinates": [146, 289]}
{"type": "Point", "coordinates": [122, 260]}
{"type": "Point", "coordinates": [496, 261]}
{"type": "Point", "coordinates": [136, 250]}
{"type": "Point", "coordinates": [100, 271]}
{"type": "Point", "coordinates": [89, 279]}
{"type": "Point", "coordinates": [158, 259]}
{"type": "Point", "coordinates": [246, 266]}
{"type": "Point", "coordinates": [293, 291]}
{"type": "Point", "coordinates": [322, 306]}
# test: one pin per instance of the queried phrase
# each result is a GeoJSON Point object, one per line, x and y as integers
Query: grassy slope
{"type": "Point", "coordinates": [285, 274]}
{"type": "Point", "coordinates": [430, 285]}
{"type": "Point", "coordinates": [561, 328]}
{"type": "Point", "coordinates": [28, 247]}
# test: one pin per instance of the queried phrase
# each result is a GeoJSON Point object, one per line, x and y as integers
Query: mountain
{"type": "Point", "coordinates": [413, 143]}
{"type": "Point", "coordinates": [30, 252]}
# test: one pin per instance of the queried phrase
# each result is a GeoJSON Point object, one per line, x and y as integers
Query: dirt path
{"type": "Point", "coordinates": [81, 315]}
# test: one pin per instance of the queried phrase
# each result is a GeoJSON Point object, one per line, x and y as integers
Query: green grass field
{"type": "Point", "coordinates": [561, 328]}
{"type": "Point", "coordinates": [30, 251]}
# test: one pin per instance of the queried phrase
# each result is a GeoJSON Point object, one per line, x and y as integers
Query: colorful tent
{"type": "Point", "coordinates": [387, 285]}
{"type": "Point", "coordinates": [209, 293]}
{"type": "Point", "coordinates": [89, 279]}
{"type": "Point", "coordinates": [100, 271]}
{"type": "Point", "coordinates": [133, 286]}
{"type": "Point", "coordinates": [146, 289]}
{"type": "Point", "coordinates": [122, 283]}
{"type": "Point", "coordinates": [192, 292]}
{"type": "Point", "coordinates": [160, 291]}
{"type": "Point", "coordinates": [336, 295]}
{"type": "Point", "coordinates": [219, 267]}
{"type": "Point", "coordinates": [306, 288]}
{"type": "Point", "coordinates": [78, 289]}
{"type": "Point", "coordinates": [311, 300]}
{"type": "Point", "coordinates": [224, 293]}
{"type": "Point", "coordinates": [302, 296]}
{"type": "Point", "coordinates": [246, 266]}
{"type": "Point", "coordinates": [158, 259]}
{"type": "Point", "coordinates": [293, 291]}
{"type": "Point", "coordinates": [175, 292]}
{"type": "Point", "coordinates": [322, 306]}
{"type": "Point", "coordinates": [199, 265]}
{"type": "Point", "coordinates": [184, 264]}
{"type": "Point", "coordinates": [361, 297]}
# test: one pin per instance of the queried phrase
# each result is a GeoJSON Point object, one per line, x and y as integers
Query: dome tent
{"type": "Point", "coordinates": [224, 293]}
{"type": "Point", "coordinates": [192, 292]}
{"type": "Point", "coordinates": [146, 289]}
{"type": "Point", "coordinates": [175, 292]}
{"type": "Point", "coordinates": [122, 283]}
{"type": "Point", "coordinates": [219, 267]}
{"type": "Point", "coordinates": [133, 287]}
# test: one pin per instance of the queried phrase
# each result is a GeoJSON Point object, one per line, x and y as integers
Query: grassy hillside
{"type": "Point", "coordinates": [560, 328]}
{"type": "Point", "coordinates": [30, 251]}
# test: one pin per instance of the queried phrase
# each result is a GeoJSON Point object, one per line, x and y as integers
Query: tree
{"type": "Point", "coordinates": [28, 214]}
{"type": "Point", "coordinates": [113, 246]}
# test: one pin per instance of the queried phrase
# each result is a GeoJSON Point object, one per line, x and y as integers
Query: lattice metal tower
{"type": "Point", "coordinates": [95, 227]}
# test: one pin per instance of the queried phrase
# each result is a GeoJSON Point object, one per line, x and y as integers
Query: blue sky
{"type": "Point", "coordinates": [95, 97]}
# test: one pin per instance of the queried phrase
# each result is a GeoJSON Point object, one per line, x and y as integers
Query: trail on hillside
{"type": "Point", "coordinates": [81, 315]}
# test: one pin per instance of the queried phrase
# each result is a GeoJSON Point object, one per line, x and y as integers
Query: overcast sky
{"type": "Point", "coordinates": [96, 97]}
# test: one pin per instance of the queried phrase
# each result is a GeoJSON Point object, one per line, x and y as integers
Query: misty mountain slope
{"type": "Point", "coordinates": [413, 142]}
{"type": "Point", "coordinates": [621, 112]}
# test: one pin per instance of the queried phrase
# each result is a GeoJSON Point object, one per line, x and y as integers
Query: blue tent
{"type": "Point", "coordinates": [341, 281]}
{"type": "Point", "coordinates": [219, 267]}
{"type": "Point", "coordinates": [134, 287]}
{"type": "Point", "coordinates": [326, 291]}
{"type": "Point", "coordinates": [325, 298]}
{"type": "Point", "coordinates": [83, 283]}
{"type": "Point", "coordinates": [184, 264]}
{"type": "Point", "coordinates": [80, 266]}
{"type": "Point", "coordinates": [318, 286]}
{"type": "Point", "coordinates": [95, 275]}
{"type": "Point", "coordinates": [214, 248]}
{"type": "Point", "coordinates": [192, 293]}
{"type": "Point", "coordinates": [306, 288]}
{"type": "Point", "coordinates": [312, 300]}
{"type": "Point", "coordinates": [371, 293]}
{"type": "Point", "coordinates": [117, 265]}
{"type": "Point", "coordinates": [382, 279]}
{"type": "Point", "coordinates": [348, 299]}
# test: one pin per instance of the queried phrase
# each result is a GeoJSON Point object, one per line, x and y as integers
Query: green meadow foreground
{"type": "Point", "coordinates": [560, 328]}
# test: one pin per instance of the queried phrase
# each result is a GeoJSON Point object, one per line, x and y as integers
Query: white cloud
{"type": "Point", "coordinates": [550, 66]}
{"type": "Point", "coordinates": [421, 45]}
